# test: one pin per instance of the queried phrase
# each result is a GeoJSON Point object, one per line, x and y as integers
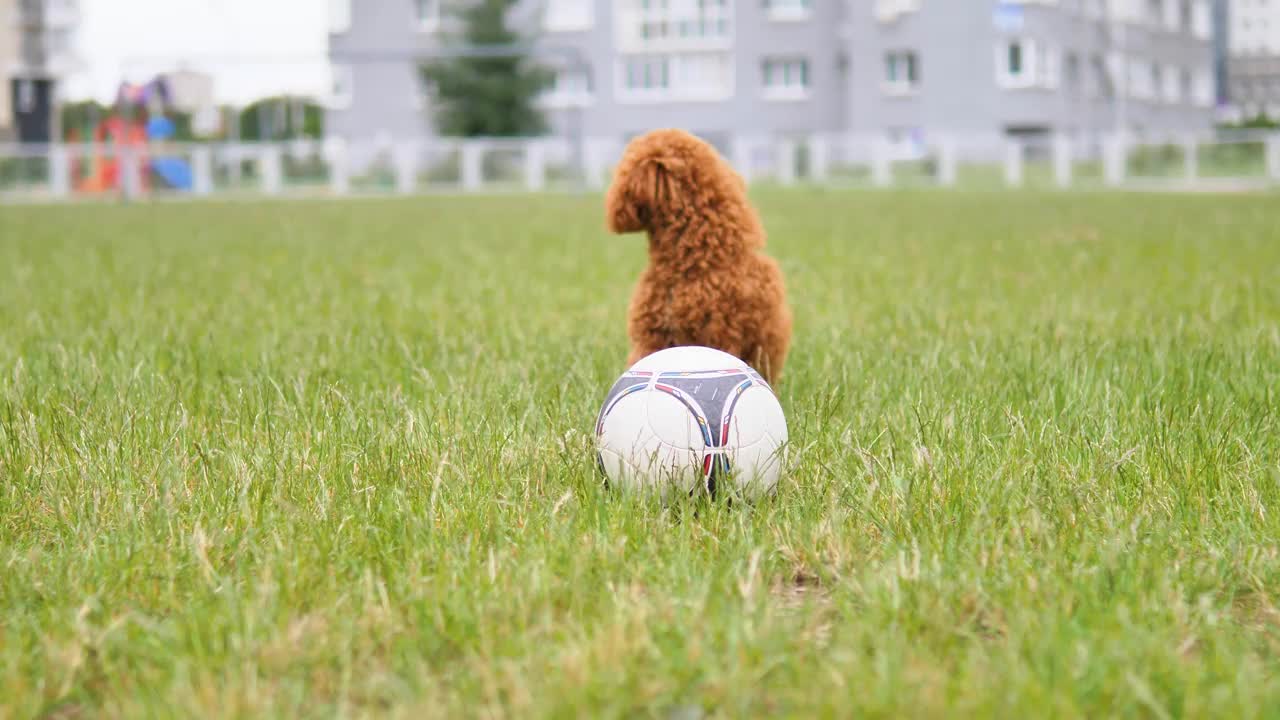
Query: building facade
{"type": "Point", "coordinates": [44, 33]}
{"type": "Point", "coordinates": [1254, 60]}
{"type": "Point", "coordinates": [1031, 69]}
{"type": "Point", "coordinates": [8, 60]}
{"type": "Point", "coordinates": [881, 68]}
{"type": "Point", "coordinates": [716, 67]}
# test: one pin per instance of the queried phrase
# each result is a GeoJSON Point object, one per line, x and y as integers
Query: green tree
{"type": "Point", "coordinates": [82, 118]}
{"type": "Point", "coordinates": [488, 96]}
{"type": "Point", "coordinates": [281, 118]}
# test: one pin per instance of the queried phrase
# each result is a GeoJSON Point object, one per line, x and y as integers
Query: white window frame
{"type": "Point", "coordinates": [633, 95]}
{"type": "Point", "coordinates": [789, 10]}
{"type": "Point", "coordinates": [428, 24]}
{"type": "Point", "coordinates": [339, 16]}
{"type": "Point", "coordinates": [560, 98]}
{"type": "Point", "coordinates": [673, 92]}
{"type": "Point", "coordinates": [787, 92]}
{"type": "Point", "coordinates": [341, 100]}
{"type": "Point", "coordinates": [630, 17]}
{"type": "Point", "coordinates": [1039, 65]}
{"type": "Point", "coordinates": [1025, 77]}
{"type": "Point", "coordinates": [567, 21]}
{"type": "Point", "coordinates": [904, 86]}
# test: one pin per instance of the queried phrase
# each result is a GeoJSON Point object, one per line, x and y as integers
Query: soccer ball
{"type": "Point", "coordinates": [692, 419]}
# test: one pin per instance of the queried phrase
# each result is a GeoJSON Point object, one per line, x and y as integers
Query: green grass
{"type": "Point", "coordinates": [334, 459]}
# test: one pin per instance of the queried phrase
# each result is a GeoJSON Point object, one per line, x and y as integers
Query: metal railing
{"type": "Point", "coordinates": [63, 172]}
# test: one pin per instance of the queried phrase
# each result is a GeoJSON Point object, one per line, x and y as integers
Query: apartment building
{"type": "Point", "coordinates": [988, 70]}
{"type": "Point", "coordinates": [717, 67]}
{"type": "Point", "coordinates": [884, 68]}
{"type": "Point", "coordinates": [1254, 56]}
{"type": "Point", "coordinates": [44, 35]}
{"type": "Point", "coordinates": [8, 60]}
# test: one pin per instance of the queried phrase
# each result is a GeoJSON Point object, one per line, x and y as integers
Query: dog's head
{"type": "Point", "coordinates": [666, 175]}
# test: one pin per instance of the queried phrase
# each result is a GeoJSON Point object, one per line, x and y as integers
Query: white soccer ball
{"type": "Point", "coordinates": [689, 420]}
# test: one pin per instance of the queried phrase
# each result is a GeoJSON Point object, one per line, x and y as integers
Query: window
{"type": "Point", "coordinates": [643, 74]}
{"type": "Point", "coordinates": [675, 49]}
{"type": "Point", "coordinates": [901, 72]}
{"type": "Point", "coordinates": [569, 15]}
{"type": "Point", "coordinates": [571, 88]}
{"type": "Point", "coordinates": [786, 78]}
{"type": "Point", "coordinates": [339, 16]}
{"type": "Point", "coordinates": [341, 86]}
{"type": "Point", "coordinates": [783, 10]}
{"type": "Point", "coordinates": [651, 25]}
{"type": "Point", "coordinates": [677, 76]}
{"type": "Point", "coordinates": [1016, 66]}
{"type": "Point", "coordinates": [1023, 63]}
{"type": "Point", "coordinates": [1185, 89]}
{"type": "Point", "coordinates": [426, 14]}
{"type": "Point", "coordinates": [1184, 15]}
{"type": "Point", "coordinates": [704, 75]}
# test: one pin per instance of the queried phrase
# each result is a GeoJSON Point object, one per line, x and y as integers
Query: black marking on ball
{"type": "Point", "coordinates": [710, 393]}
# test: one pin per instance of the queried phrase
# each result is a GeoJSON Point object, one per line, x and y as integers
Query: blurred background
{"type": "Point", "coordinates": [123, 98]}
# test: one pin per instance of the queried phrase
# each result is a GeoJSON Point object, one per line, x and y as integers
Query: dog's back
{"type": "Point", "coordinates": [707, 282]}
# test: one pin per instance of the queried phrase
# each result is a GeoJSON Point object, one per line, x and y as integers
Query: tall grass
{"type": "Point", "coordinates": [334, 459]}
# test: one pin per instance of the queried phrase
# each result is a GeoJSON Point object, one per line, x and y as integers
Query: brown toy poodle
{"type": "Point", "coordinates": [707, 282]}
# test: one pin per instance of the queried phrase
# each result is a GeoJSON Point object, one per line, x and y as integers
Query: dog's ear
{"type": "Point", "coordinates": [641, 194]}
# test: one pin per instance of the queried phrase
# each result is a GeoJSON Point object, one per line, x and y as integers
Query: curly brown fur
{"type": "Point", "coordinates": [707, 282]}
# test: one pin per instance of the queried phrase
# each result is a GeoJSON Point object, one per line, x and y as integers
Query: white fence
{"type": "Point", "coordinates": [333, 168]}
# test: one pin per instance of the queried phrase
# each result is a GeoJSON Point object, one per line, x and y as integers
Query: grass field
{"type": "Point", "coordinates": [334, 459]}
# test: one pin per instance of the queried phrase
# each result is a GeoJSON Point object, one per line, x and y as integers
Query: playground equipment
{"type": "Point", "coordinates": [138, 127]}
